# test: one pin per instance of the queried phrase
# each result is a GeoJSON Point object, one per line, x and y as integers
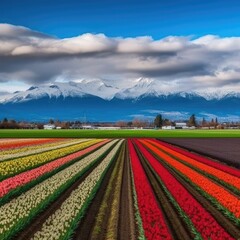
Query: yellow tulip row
{"type": "Point", "coordinates": [58, 224]}
{"type": "Point", "coordinates": [15, 166]}
{"type": "Point", "coordinates": [29, 150]}
{"type": "Point", "coordinates": [19, 209]}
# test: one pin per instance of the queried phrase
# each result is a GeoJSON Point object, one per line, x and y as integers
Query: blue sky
{"type": "Point", "coordinates": [181, 45]}
{"type": "Point", "coordinates": [126, 18]}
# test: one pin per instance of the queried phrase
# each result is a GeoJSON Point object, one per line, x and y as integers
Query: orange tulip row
{"type": "Point", "coordinates": [226, 177]}
{"type": "Point", "coordinates": [218, 165]}
{"type": "Point", "coordinates": [225, 198]}
{"type": "Point", "coordinates": [204, 223]}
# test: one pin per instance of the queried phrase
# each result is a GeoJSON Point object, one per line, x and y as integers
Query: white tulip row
{"type": "Point", "coordinates": [58, 224]}
{"type": "Point", "coordinates": [10, 140]}
{"type": "Point", "coordinates": [30, 150]}
{"type": "Point", "coordinates": [19, 209]}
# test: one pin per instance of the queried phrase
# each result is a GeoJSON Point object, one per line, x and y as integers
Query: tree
{"type": "Point", "coordinates": [158, 121]}
{"type": "Point", "coordinates": [204, 122]}
{"type": "Point", "coordinates": [12, 124]}
{"type": "Point", "coordinates": [192, 121]}
{"type": "Point", "coordinates": [212, 124]}
{"type": "Point", "coordinates": [40, 126]}
{"type": "Point", "coordinates": [51, 121]}
{"type": "Point", "coordinates": [137, 123]}
{"type": "Point", "coordinates": [121, 124]}
{"type": "Point", "coordinates": [129, 124]}
{"type": "Point", "coordinates": [5, 120]}
{"type": "Point", "coordinates": [4, 123]}
{"type": "Point", "coordinates": [167, 122]}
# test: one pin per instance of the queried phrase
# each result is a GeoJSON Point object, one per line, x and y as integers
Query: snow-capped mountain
{"type": "Point", "coordinates": [142, 87]}
{"type": "Point", "coordinates": [102, 102]}
{"type": "Point", "coordinates": [80, 88]}
{"type": "Point", "coordinates": [51, 91]}
{"type": "Point", "coordinates": [231, 95]}
{"type": "Point", "coordinates": [95, 87]}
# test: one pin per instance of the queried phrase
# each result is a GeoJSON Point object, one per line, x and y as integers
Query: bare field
{"type": "Point", "coordinates": [223, 149]}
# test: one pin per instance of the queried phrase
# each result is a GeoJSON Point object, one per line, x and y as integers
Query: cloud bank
{"type": "Point", "coordinates": [177, 63]}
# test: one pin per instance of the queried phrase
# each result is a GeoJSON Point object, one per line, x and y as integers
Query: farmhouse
{"type": "Point", "coordinates": [108, 128]}
{"type": "Point", "coordinates": [181, 125]}
{"type": "Point", "coordinates": [49, 126]}
{"type": "Point", "coordinates": [168, 127]}
{"type": "Point", "coordinates": [87, 127]}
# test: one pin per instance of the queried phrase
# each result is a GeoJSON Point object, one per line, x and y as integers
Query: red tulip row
{"type": "Point", "coordinates": [204, 222]}
{"type": "Point", "coordinates": [152, 217]}
{"type": "Point", "coordinates": [202, 159]}
{"type": "Point", "coordinates": [23, 143]}
{"type": "Point", "coordinates": [23, 178]}
{"type": "Point", "coordinates": [224, 197]}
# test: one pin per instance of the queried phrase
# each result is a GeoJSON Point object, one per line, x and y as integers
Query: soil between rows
{"type": "Point", "coordinates": [86, 224]}
{"type": "Point", "coordinates": [224, 149]}
{"type": "Point", "coordinates": [127, 228]}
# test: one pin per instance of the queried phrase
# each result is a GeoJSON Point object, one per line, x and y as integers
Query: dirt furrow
{"type": "Point", "coordinates": [85, 227]}
{"type": "Point", "coordinates": [127, 228]}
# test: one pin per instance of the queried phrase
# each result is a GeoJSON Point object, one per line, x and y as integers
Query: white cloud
{"type": "Point", "coordinates": [215, 43]}
{"type": "Point", "coordinates": [169, 114]}
{"type": "Point", "coordinates": [3, 93]}
{"type": "Point", "coordinates": [176, 63]}
{"type": "Point", "coordinates": [210, 116]}
{"type": "Point", "coordinates": [10, 87]}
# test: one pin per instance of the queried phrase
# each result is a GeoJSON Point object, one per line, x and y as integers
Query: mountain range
{"type": "Point", "coordinates": [94, 100]}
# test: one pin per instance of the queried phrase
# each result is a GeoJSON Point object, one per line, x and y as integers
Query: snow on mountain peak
{"type": "Point", "coordinates": [217, 95]}
{"type": "Point", "coordinates": [96, 87]}
{"type": "Point", "coordinates": [51, 91]}
{"type": "Point", "coordinates": [138, 88]}
{"type": "Point", "coordinates": [142, 86]}
{"type": "Point", "coordinates": [143, 82]}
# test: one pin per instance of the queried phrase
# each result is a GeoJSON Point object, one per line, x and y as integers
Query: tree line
{"type": "Point", "coordinates": [158, 122]}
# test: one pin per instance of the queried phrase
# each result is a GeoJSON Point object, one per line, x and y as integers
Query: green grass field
{"type": "Point", "coordinates": [116, 133]}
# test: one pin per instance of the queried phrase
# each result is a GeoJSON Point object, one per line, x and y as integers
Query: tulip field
{"type": "Point", "coordinates": [134, 188]}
